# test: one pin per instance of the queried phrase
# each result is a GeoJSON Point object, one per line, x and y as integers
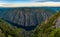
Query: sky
{"type": "Point", "coordinates": [17, 3]}
{"type": "Point", "coordinates": [26, 1]}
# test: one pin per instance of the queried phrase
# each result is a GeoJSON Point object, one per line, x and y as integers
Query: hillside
{"type": "Point", "coordinates": [7, 30]}
{"type": "Point", "coordinates": [48, 28]}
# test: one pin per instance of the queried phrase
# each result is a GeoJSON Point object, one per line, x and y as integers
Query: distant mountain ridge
{"type": "Point", "coordinates": [26, 17]}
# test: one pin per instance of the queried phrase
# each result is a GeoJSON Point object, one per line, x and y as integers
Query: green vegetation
{"type": "Point", "coordinates": [55, 33]}
{"type": "Point", "coordinates": [47, 27]}
{"type": "Point", "coordinates": [7, 30]}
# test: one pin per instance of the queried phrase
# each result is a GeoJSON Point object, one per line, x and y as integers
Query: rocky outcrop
{"type": "Point", "coordinates": [58, 22]}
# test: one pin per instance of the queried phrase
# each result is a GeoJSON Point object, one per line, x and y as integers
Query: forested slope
{"type": "Point", "coordinates": [7, 30]}
{"type": "Point", "coordinates": [48, 28]}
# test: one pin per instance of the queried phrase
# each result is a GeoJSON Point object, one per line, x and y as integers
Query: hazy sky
{"type": "Point", "coordinates": [18, 3]}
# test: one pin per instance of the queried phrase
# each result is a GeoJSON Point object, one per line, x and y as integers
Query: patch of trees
{"type": "Point", "coordinates": [7, 30]}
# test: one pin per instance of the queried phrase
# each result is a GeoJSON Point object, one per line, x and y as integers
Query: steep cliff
{"type": "Point", "coordinates": [27, 18]}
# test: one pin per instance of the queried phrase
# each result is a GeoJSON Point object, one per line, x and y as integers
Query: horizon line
{"type": "Point", "coordinates": [48, 4]}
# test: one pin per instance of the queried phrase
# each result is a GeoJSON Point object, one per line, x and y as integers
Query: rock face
{"type": "Point", "coordinates": [26, 17]}
{"type": "Point", "coordinates": [58, 22]}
